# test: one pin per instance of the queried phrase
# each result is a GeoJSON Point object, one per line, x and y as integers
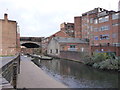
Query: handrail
{"type": "Point", "coordinates": [11, 70]}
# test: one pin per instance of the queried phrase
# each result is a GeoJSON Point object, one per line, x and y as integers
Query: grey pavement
{"type": "Point", "coordinates": [31, 76]}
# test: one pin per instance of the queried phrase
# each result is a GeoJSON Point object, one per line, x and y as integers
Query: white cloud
{"type": "Point", "coordinates": [43, 17]}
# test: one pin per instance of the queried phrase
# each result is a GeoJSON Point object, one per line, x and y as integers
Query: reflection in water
{"type": "Point", "coordinates": [77, 75]}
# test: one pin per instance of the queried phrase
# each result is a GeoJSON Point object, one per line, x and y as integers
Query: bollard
{"type": "Point", "coordinates": [19, 64]}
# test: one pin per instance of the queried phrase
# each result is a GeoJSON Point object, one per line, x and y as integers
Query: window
{"type": "Point", "coordinates": [115, 24]}
{"type": "Point", "coordinates": [68, 27]}
{"type": "Point", "coordinates": [103, 28]}
{"type": "Point", "coordinates": [72, 46]}
{"type": "Point", "coordinates": [91, 20]}
{"type": "Point", "coordinates": [114, 35]}
{"type": "Point", "coordinates": [95, 21]}
{"type": "Point", "coordinates": [116, 16]}
{"type": "Point", "coordinates": [91, 28]}
{"type": "Point", "coordinates": [85, 24]}
{"type": "Point", "coordinates": [50, 50]}
{"type": "Point", "coordinates": [104, 19]}
{"type": "Point", "coordinates": [96, 38]}
{"type": "Point", "coordinates": [56, 50]}
{"type": "Point", "coordinates": [105, 36]}
{"type": "Point", "coordinates": [96, 29]}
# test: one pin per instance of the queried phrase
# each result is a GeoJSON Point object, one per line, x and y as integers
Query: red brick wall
{"type": "Point", "coordinates": [9, 37]}
{"type": "Point", "coordinates": [78, 27]}
{"type": "Point", "coordinates": [106, 49]}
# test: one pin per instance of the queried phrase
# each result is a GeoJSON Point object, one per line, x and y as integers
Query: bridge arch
{"type": "Point", "coordinates": [30, 45]}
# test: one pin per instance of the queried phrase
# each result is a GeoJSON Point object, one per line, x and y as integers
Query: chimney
{"type": "Point", "coordinates": [5, 16]}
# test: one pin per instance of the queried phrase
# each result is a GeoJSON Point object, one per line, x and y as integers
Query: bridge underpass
{"type": "Point", "coordinates": [30, 48]}
{"type": "Point", "coordinates": [30, 45]}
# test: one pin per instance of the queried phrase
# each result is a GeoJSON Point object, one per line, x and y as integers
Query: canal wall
{"type": "Point", "coordinates": [72, 55]}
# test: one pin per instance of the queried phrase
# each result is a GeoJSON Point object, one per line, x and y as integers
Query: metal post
{"type": "Point", "coordinates": [14, 80]}
{"type": "Point", "coordinates": [19, 64]}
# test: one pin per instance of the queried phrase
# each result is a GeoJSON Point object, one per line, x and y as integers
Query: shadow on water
{"type": "Point", "coordinates": [77, 75]}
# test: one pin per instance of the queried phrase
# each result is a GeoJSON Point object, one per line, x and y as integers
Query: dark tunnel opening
{"type": "Point", "coordinates": [30, 45]}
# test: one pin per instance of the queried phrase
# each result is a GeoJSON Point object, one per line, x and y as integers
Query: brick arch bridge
{"type": "Point", "coordinates": [31, 45]}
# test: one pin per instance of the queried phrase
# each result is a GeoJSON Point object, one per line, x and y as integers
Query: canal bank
{"type": "Point", "coordinates": [101, 61]}
{"type": "Point", "coordinates": [31, 76]}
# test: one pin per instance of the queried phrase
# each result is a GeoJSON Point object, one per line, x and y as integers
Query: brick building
{"type": "Point", "coordinates": [98, 26]}
{"type": "Point", "coordinates": [101, 28]}
{"type": "Point", "coordinates": [9, 33]}
{"type": "Point", "coordinates": [68, 28]}
{"type": "Point", "coordinates": [58, 44]}
{"type": "Point", "coordinates": [46, 40]}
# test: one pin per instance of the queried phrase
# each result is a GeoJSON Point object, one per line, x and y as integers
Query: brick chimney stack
{"type": "Point", "coordinates": [5, 16]}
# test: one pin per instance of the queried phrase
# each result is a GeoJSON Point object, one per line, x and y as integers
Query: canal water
{"type": "Point", "coordinates": [78, 75]}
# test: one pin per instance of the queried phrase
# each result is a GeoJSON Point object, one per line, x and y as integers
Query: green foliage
{"type": "Point", "coordinates": [111, 64]}
{"type": "Point", "coordinates": [100, 57]}
{"type": "Point", "coordinates": [103, 61]}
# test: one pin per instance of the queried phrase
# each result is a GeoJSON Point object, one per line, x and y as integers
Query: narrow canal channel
{"type": "Point", "coordinates": [77, 75]}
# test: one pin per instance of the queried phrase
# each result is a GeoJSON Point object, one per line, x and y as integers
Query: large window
{"type": "Point", "coordinates": [105, 36]}
{"type": "Point", "coordinates": [96, 29]}
{"type": "Point", "coordinates": [72, 46]}
{"type": "Point", "coordinates": [116, 24]}
{"type": "Point", "coordinates": [116, 16]}
{"type": "Point", "coordinates": [96, 38]}
{"type": "Point", "coordinates": [104, 28]}
{"type": "Point", "coordinates": [104, 19]}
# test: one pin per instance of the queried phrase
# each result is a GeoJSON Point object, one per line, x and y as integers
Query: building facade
{"type": "Point", "coordinates": [58, 44]}
{"type": "Point", "coordinates": [68, 28]}
{"type": "Point", "coordinates": [101, 27]}
{"type": "Point", "coordinates": [9, 42]}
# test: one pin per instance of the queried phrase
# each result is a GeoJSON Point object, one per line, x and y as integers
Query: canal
{"type": "Point", "coordinates": [78, 75]}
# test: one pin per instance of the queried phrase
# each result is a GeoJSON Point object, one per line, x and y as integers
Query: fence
{"type": "Point", "coordinates": [11, 70]}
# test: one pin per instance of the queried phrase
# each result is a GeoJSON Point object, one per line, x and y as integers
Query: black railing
{"type": "Point", "coordinates": [11, 70]}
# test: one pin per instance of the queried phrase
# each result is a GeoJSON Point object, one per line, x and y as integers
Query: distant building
{"type": "Point", "coordinates": [58, 44]}
{"type": "Point", "coordinates": [68, 28]}
{"type": "Point", "coordinates": [10, 37]}
{"type": "Point", "coordinates": [46, 40]}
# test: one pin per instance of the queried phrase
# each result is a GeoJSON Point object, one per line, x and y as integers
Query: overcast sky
{"type": "Point", "coordinates": [38, 18]}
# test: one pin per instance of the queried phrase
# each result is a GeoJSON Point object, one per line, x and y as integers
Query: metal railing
{"type": "Point", "coordinates": [11, 70]}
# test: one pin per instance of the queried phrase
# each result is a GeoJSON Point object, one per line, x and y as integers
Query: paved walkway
{"type": "Point", "coordinates": [31, 76]}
